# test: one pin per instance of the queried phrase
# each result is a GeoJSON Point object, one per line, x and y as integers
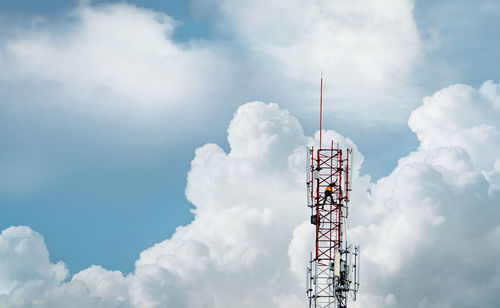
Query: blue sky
{"type": "Point", "coordinates": [107, 186]}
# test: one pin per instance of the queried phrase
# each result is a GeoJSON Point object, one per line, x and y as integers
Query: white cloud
{"type": "Point", "coordinates": [114, 53]}
{"type": "Point", "coordinates": [125, 58]}
{"type": "Point", "coordinates": [25, 269]}
{"type": "Point", "coordinates": [110, 77]}
{"type": "Point", "coordinates": [433, 218]}
{"type": "Point", "coordinates": [429, 231]}
{"type": "Point", "coordinates": [461, 116]}
{"type": "Point", "coordinates": [368, 49]}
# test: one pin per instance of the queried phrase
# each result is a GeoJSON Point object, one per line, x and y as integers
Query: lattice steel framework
{"type": "Point", "coordinates": [334, 271]}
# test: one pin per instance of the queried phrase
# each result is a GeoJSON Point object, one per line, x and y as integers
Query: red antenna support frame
{"type": "Point", "coordinates": [329, 165]}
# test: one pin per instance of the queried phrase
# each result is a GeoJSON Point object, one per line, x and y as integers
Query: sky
{"type": "Point", "coordinates": [148, 147]}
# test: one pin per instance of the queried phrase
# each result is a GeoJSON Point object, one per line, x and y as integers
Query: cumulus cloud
{"type": "Point", "coordinates": [25, 267]}
{"type": "Point", "coordinates": [464, 117]}
{"type": "Point", "coordinates": [429, 231]}
{"type": "Point", "coordinates": [434, 218]}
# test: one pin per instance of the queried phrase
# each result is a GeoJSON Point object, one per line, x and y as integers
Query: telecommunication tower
{"type": "Point", "coordinates": [333, 271]}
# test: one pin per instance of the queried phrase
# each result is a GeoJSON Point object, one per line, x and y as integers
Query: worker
{"type": "Point", "coordinates": [329, 192]}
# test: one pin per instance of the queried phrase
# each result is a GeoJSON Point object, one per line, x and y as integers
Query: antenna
{"type": "Point", "coordinates": [321, 111]}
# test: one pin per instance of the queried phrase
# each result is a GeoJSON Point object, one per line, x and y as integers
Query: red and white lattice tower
{"type": "Point", "coordinates": [333, 272]}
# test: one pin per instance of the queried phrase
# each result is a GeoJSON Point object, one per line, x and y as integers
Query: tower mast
{"type": "Point", "coordinates": [333, 271]}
